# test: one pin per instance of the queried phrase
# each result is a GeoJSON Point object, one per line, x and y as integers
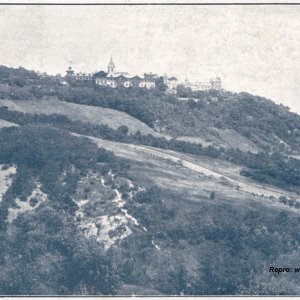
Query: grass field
{"type": "Point", "coordinates": [194, 176]}
{"type": "Point", "coordinates": [78, 112]}
{"type": "Point", "coordinates": [227, 138]}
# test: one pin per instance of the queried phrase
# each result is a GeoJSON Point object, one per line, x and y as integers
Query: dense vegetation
{"type": "Point", "coordinates": [217, 248]}
{"type": "Point", "coordinates": [45, 253]}
{"type": "Point", "coordinates": [274, 168]}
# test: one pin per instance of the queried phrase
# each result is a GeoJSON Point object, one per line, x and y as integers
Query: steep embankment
{"type": "Point", "coordinates": [79, 112]}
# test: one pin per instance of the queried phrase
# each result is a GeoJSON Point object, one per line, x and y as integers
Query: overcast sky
{"type": "Point", "coordinates": [253, 49]}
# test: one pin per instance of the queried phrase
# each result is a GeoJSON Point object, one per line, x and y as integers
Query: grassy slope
{"type": "Point", "coordinates": [194, 175]}
{"type": "Point", "coordinates": [227, 138]}
{"type": "Point", "coordinates": [99, 115]}
{"type": "Point", "coordinates": [84, 113]}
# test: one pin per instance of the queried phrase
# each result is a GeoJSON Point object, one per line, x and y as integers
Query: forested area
{"type": "Point", "coordinates": [44, 252]}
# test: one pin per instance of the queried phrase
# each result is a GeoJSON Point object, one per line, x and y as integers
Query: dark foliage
{"type": "Point", "coordinates": [275, 168]}
{"type": "Point", "coordinates": [46, 254]}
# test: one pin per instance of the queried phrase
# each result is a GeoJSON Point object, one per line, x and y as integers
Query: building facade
{"type": "Point", "coordinates": [213, 84]}
{"type": "Point", "coordinates": [171, 83]}
{"type": "Point", "coordinates": [114, 79]}
{"type": "Point", "coordinates": [84, 77]}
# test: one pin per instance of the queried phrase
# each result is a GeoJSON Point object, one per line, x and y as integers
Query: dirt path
{"type": "Point", "coordinates": [136, 152]}
{"type": "Point", "coordinates": [198, 167]}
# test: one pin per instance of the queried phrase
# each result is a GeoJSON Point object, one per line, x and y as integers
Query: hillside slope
{"type": "Point", "coordinates": [88, 210]}
{"type": "Point", "coordinates": [76, 219]}
{"type": "Point", "coordinates": [78, 112]}
{"type": "Point", "coordinates": [219, 175]}
{"type": "Point", "coordinates": [210, 211]}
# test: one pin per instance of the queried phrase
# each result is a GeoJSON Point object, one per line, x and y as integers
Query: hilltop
{"type": "Point", "coordinates": [218, 118]}
{"type": "Point", "coordinates": [101, 187]}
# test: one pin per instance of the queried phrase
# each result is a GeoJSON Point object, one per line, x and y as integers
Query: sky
{"type": "Point", "coordinates": [255, 49]}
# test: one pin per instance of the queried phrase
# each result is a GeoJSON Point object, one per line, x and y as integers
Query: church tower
{"type": "Point", "coordinates": [111, 66]}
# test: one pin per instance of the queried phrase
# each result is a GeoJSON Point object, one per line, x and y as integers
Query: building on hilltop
{"type": "Point", "coordinates": [216, 84]}
{"type": "Point", "coordinates": [150, 76]}
{"type": "Point", "coordinates": [116, 79]}
{"type": "Point", "coordinates": [111, 66]}
{"type": "Point", "coordinates": [213, 84]}
{"type": "Point", "coordinates": [84, 77]}
{"type": "Point", "coordinates": [171, 83]}
{"type": "Point", "coordinates": [70, 72]}
{"type": "Point", "coordinates": [197, 86]}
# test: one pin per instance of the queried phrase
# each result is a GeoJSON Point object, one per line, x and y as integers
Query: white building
{"type": "Point", "coordinates": [213, 84]}
{"type": "Point", "coordinates": [147, 84]}
{"type": "Point", "coordinates": [171, 83]}
{"type": "Point", "coordinates": [114, 79]}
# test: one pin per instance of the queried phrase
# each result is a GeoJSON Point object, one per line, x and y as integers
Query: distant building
{"type": "Point", "coordinates": [70, 72]}
{"type": "Point", "coordinates": [216, 84]}
{"type": "Point", "coordinates": [171, 83]}
{"type": "Point", "coordinates": [114, 79]}
{"type": "Point", "coordinates": [213, 84]}
{"type": "Point", "coordinates": [197, 86]}
{"type": "Point", "coordinates": [150, 76]}
{"type": "Point", "coordinates": [84, 77]}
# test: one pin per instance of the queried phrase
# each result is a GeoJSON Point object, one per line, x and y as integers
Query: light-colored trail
{"type": "Point", "coordinates": [143, 153]}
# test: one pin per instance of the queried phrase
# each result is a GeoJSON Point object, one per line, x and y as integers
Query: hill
{"type": "Point", "coordinates": [134, 212]}
{"type": "Point", "coordinates": [102, 187]}
{"type": "Point", "coordinates": [248, 121]}
{"type": "Point", "coordinates": [221, 119]}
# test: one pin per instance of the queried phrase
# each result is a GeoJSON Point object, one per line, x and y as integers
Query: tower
{"type": "Point", "coordinates": [111, 66]}
{"type": "Point", "coordinates": [70, 71]}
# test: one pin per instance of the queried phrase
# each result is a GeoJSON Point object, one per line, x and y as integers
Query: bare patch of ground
{"type": "Point", "coordinates": [32, 202]}
{"type": "Point", "coordinates": [4, 123]}
{"type": "Point", "coordinates": [6, 174]}
{"type": "Point", "coordinates": [101, 212]}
